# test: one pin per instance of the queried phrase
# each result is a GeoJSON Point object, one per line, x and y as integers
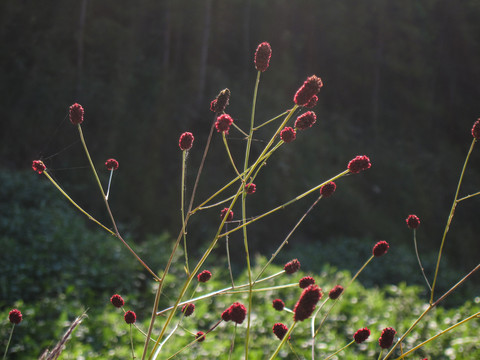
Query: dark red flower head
{"type": "Point", "coordinates": [288, 134]}
{"type": "Point", "coordinates": [361, 335]}
{"type": "Point", "coordinates": [223, 123]}
{"type": "Point", "coordinates": [335, 292]}
{"type": "Point", "coordinates": [111, 164]}
{"type": "Point", "coordinates": [186, 141]}
{"type": "Point", "coordinates": [188, 309]}
{"type": "Point", "coordinates": [380, 248]}
{"type": "Point", "coordinates": [278, 304]}
{"type": "Point", "coordinates": [280, 330]}
{"type": "Point", "coordinates": [386, 339]}
{"type": "Point", "coordinates": [15, 316]}
{"type": "Point", "coordinates": [413, 221]}
{"type": "Point", "coordinates": [262, 56]}
{"type": "Point", "coordinates": [476, 130]}
{"type": "Point", "coordinates": [76, 114]}
{"type": "Point", "coordinates": [229, 216]}
{"type": "Point", "coordinates": [310, 88]}
{"type": "Point", "coordinates": [219, 104]}
{"type": "Point", "coordinates": [38, 166]}
{"type": "Point", "coordinates": [130, 317]}
{"type": "Point", "coordinates": [307, 302]}
{"type": "Point", "coordinates": [305, 120]}
{"type": "Point", "coordinates": [200, 336]}
{"type": "Point", "coordinates": [306, 281]}
{"type": "Point", "coordinates": [292, 266]}
{"type": "Point", "coordinates": [313, 101]}
{"type": "Point", "coordinates": [204, 276]}
{"type": "Point", "coordinates": [359, 163]}
{"type": "Point", "coordinates": [250, 188]}
{"type": "Point", "coordinates": [237, 312]}
{"type": "Point", "coordinates": [226, 315]}
{"type": "Point", "coordinates": [328, 189]}
{"type": "Point", "coordinates": [117, 301]}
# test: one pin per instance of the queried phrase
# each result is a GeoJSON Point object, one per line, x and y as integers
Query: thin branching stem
{"type": "Point", "coordinates": [418, 259]}
{"type": "Point", "coordinates": [182, 207]}
{"type": "Point", "coordinates": [339, 350]}
{"type": "Point", "coordinates": [269, 121]}
{"type": "Point", "coordinates": [230, 154]}
{"type": "Point", "coordinates": [438, 335]}
{"type": "Point", "coordinates": [8, 342]}
{"type": "Point", "coordinates": [450, 217]}
{"type": "Point", "coordinates": [284, 340]}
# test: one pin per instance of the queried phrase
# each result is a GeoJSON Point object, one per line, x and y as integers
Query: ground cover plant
{"type": "Point", "coordinates": [199, 306]}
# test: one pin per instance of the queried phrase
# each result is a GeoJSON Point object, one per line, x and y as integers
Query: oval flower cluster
{"type": "Point", "coordinates": [236, 313]}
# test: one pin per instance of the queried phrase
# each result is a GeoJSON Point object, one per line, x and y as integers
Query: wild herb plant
{"type": "Point", "coordinates": [231, 200]}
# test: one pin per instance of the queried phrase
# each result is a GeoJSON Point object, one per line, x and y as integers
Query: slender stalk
{"type": "Point", "coordinates": [182, 205]}
{"type": "Point", "coordinates": [450, 217]}
{"type": "Point", "coordinates": [222, 291]}
{"type": "Point", "coordinates": [340, 350]}
{"type": "Point", "coordinates": [285, 338]}
{"type": "Point", "coordinates": [418, 258]}
{"type": "Point", "coordinates": [166, 339]}
{"type": "Point", "coordinates": [468, 197]}
{"type": "Point", "coordinates": [131, 342]}
{"type": "Point", "coordinates": [301, 196]}
{"type": "Point", "coordinates": [380, 355]}
{"type": "Point", "coordinates": [230, 154]}
{"type": "Point", "coordinates": [200, 168]}
{"type": "Point", "coordinates": [8, 343]}
{"type": "Point", "coordinates": [117, 233]}
{"type": "Point", "coordinates": [228, 260]}
{"type": "Point", "coordinates": [90, 217]}
{"type": "Point", "coordinates": [240, 130]}
{"type": "Point", "coordinates": [286, 239]}
{"type": "Point", "coordinates": [216, 204]}
{"type": "Point", "coordinates": [439, 334]}
{"type": "Point", "coordinates": [109, 183]}
{"type": "Point", "coordinates": [269, 121]}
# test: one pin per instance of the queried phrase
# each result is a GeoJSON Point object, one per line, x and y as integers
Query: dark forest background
{"type": "Point", "coordinates": [401, 85]}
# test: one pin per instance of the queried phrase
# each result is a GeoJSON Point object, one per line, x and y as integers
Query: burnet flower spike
{"type": "Point", "coordinates": [111, 165]}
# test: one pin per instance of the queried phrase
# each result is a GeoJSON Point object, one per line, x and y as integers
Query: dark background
{"type": "Point", "coordinates": [400, 85]}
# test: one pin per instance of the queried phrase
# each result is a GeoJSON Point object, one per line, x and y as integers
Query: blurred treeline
{"type": "Point", "coordinates": [400, 85]}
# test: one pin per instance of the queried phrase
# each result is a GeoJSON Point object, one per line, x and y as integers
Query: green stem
{"type": "Point", "coordinates": [285, 339]}
{"type": "Point", "coordinates": [131, 342]}
{"type": "Point", "coordinates": [216, 204]}
{"type": "Point", "coordinates": [301, 196]}
{"type": "Point", "coordinates": [8, 343]}
{"type": "Point", "coordinates": [269, 121]}
{"type": "Point", "coordinates": [340, 350]}
{"type": "Point", "coordinates": [468, 197]}
{"type": "Point", "coordinates": [450, 217]}
{"type": "Point", "coordinates": [380, 355]}
{"type": "Point", "coordinates": [439, 334]}
{"type": "Point", "coordinates": [90, 217]}
{"type": "Point", "coordinates": [286, 239]}
{"type": "Point", "coordinates": [228, 260]}
{"type": "Point", "coordinates": [418, 259]}
{"type": "Point", "coordinates": [230, 154]}
{"type": "Point", "coordinates": [224, 291]}
{"type": "Point", "coordinates": [182, 206]}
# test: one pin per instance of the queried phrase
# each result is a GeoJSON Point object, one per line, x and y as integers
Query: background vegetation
{"type": "Point", "coordinates": [400, 85]}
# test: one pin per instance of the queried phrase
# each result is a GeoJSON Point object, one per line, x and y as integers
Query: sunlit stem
{"type": "Point", "coordinates": [216, 204]}
{"type": "Point", "coordinates": [468, 197]}
{"type": "Point", "coordinates": [239, 129]}
{"type": "Point", "coordinates": [340, 350]}
{"type": "Point", "coordinates": [380, 355]}
{"type": "Point", "coordinates": [131, 342]}
{"type": "Point", "coordinates": [229, 154]}
{"type": "Point", "coordinates": [450, 217]}
{"type": "Point", "coordinates": [232, 343]}
{"type": "Point", "coordinates": [438, 335]}
{"type": "Point", "coordinates": [109, 183]}
{"type": "Point", "coordinates": [418, 259]}
{"type": "Point", "coordinates": [285, 338]}
{"type": "Point", "coordinates": [117, 233]}
{"type": "Point", "coordinates": [301, 196]}
{"type": "Point", "coordinates": [228, 260]}
{"type": "Point", "coordinates": [312, 325]}
{"type": "Point", "coordinates": [286, 239]}
{"type": "Point", "coordinates": [182, 206]}
{"type": "Point", "coordinates": [192, 274]}
{"type": "Point", "coordinates": [269, 121]}
{"type": "Point", "coordinates": [90, 217]}
{"type": "Point", "coordinates": [222, 291]}
{"type": "Point", "coordinates": [8, 343]}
